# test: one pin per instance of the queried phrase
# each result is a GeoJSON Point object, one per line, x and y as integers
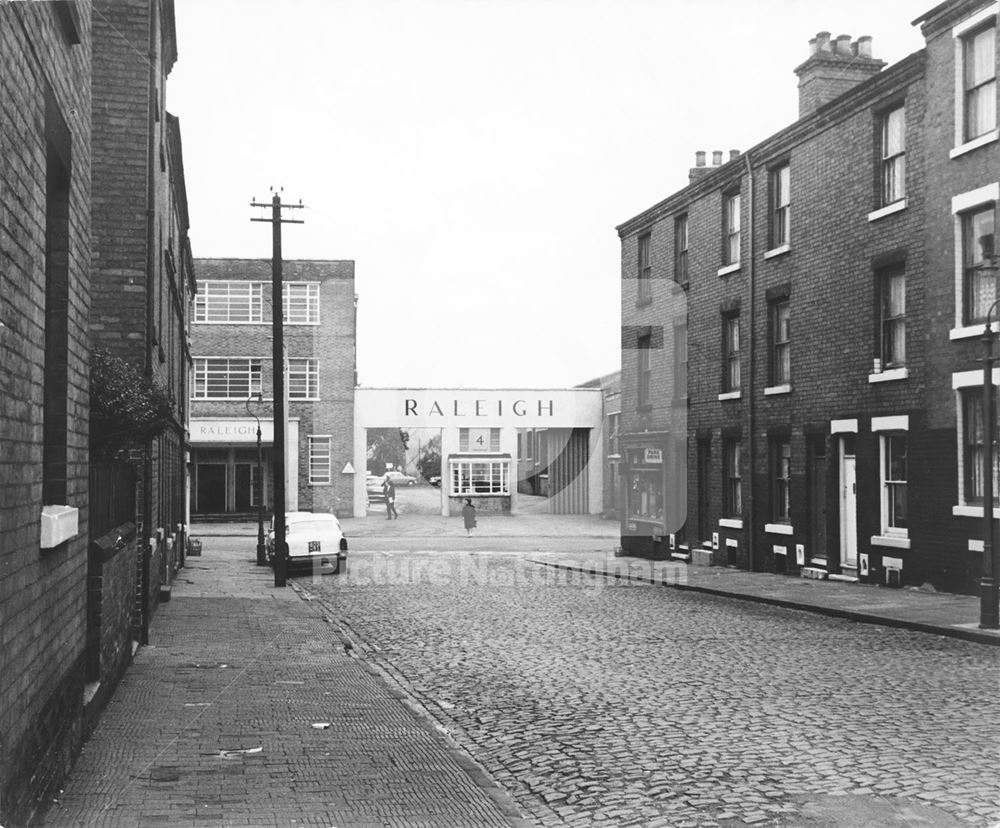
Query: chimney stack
{"type": "Point", "coordinates": [701, 168]}
{"type": "Point", "coordinates": [832, 68]}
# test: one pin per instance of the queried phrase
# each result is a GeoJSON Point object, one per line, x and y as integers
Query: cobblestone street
{"type": "Point", "coordinates": [601, 702]}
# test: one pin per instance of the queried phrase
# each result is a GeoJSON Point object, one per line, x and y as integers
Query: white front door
{"type": "Point", "coordinates": [848, 509]}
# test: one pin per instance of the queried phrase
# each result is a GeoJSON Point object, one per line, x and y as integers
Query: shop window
{"type": "Point", "coordinates": [301, 303]}
{"type": "Point", "coordinates": [645, 491]}
{"type": "Point", "coordinates": [479, 477]}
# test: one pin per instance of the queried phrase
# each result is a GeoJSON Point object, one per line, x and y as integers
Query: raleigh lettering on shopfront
{"type": "Point", "coordinates": [230, 431]}
{"type": "Point", "coordinates": [481, 408]}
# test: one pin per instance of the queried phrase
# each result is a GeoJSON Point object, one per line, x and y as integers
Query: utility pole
{"type": "Point", "coordinates": [278, 360]}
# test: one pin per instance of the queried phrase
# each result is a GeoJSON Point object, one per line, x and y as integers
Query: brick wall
{"type": "Point", "coordinates": [332, 342]}
{"type": "Point", "coordinates": [42, 592]}
{"type": "Point", "coordinates": [828, 276]}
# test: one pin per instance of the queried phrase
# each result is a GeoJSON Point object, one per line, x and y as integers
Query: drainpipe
{"type": "Point", "coordinates": [147, 483]}
{"type": "Point", "coordinates": [750, 411]}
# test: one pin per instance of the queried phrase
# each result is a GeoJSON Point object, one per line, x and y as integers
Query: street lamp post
{"type": "Point", "coordinates": [989, 585]}
{"type": "Point", "coordinates": [261, 556]}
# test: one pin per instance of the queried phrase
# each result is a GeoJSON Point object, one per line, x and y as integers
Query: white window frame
{"type": "Point", "coordinates": [234, 370]}
{"type": "Point", "coordinates": [732, 370]}
{"type": "Point", "coordinates": [320, 459]}
{"type": "Point", "coordinates": [214, 302]}
{"type": "Point", "coordinates": [644, 288]}
{"type": "Point", "coordinates": [464, 473]}
{"type": "Point", "coordinates": [959, 381]}
{"type": "Point", "coordinates": [961, 205]}
{"type": "Point", "coordinates": [644, 359]}
{"type": "Point", "coordinates": [887, 322]}
{"type": "Point", "coordinates": [780, 230]}
{"type": "Point", "coordinates": [307, 369]}
{"type": "Point", "coordinates": [894, 163]}
{"type": "Point", "coordinates": [303, 307]}
{"type": "Point", "coordinates": [781, 343]}
{"type": "Point", "coordinates": [959, 33]}
{"type": "Point", "coordinates": [732, 242]}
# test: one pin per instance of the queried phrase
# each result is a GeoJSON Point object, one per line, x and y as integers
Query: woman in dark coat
{"type": "Point", "coordinates": [469, 516]}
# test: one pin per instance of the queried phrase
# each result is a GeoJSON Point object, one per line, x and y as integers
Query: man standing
{"type": "Point", "coordinates": [389, 490]}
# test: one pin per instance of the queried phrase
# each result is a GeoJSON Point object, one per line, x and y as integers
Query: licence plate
{"type": "Point", "coordinates": [314, 546]}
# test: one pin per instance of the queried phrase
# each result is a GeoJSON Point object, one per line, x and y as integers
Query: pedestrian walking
{"type": "Point", "coordinates": [469, 516]}
{"type": "Point", "coordinates": [389, 490]}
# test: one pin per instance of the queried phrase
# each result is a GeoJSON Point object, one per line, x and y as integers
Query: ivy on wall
{"type": "Point", "coordinates": [126, 407]}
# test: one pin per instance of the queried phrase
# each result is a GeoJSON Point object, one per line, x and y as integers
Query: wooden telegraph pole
{"type": "Point", "coordinates": [277, 355]}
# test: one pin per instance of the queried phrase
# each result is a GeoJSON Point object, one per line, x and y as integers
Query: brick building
{"type": "Point", "coordinates": [143, 276]}
{"type": "Point", "coordinates": [231, 350]}
{"type": "Point", "coordinates": [611, 391]}
{"type": "Point", "coordinates": [45, 246]}
{"type": "Point", "coordinates": [793, 365]}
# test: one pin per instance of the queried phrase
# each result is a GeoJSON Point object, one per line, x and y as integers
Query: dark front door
{"type": "Point", "coordinates": [211, 496]}
{"type": "Point", "coordinates": [704, 460]}
{"type": "Point", "coordinates": [817, 478]}
{"type": "Point", "coordinates": [244, 492]}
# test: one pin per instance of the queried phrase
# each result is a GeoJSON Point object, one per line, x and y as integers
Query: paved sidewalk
{"type": "Point", "coordinates": [939, 613]}
{"type": "Point", "coordinates": [246, 710]}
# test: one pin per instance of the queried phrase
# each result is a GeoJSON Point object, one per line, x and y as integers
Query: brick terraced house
{"type": "Point", "coordinates": [93, 238]}
{"type": "Point", "coordinates": [45, 248]}
{"type": "Point", "coordinates": [142, 270]}
{"type": "Point", "coordinates": [800, 325]}
{"type": "Point", "coordinates": [231, 351]}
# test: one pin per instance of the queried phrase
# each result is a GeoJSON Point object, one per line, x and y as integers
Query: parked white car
{"type": "Point", "coordinates": [315, 540]}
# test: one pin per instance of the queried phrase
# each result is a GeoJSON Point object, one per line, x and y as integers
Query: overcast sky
{"type": "Point", "coordinates": [473, 157]}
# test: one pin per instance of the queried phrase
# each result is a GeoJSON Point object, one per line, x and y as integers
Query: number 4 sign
{"type": "Point", "coordinates": [479, 439]}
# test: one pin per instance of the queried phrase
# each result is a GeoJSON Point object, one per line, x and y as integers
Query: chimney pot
{"type": "Point", "coordinates": [823, 41]}
{"type": "Point", "coordinates": [734, 154]}
{"type": "Point", "coordinates": [716, 158]}
{"type": "Point", "coordinates": [699, 158]}
{"type": "Point", "coordinates": [843, 44]}
{"type": "Point", "coordinates": [812, 46]}
{"type": "Point", "coordinates": [864, 45]}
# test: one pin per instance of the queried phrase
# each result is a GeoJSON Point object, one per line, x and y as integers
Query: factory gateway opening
{"type": "Point", "coordinates": [510, 452]}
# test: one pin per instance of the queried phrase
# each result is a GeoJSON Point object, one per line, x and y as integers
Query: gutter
{"type": "Point", "coordinates": [750, 409]}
